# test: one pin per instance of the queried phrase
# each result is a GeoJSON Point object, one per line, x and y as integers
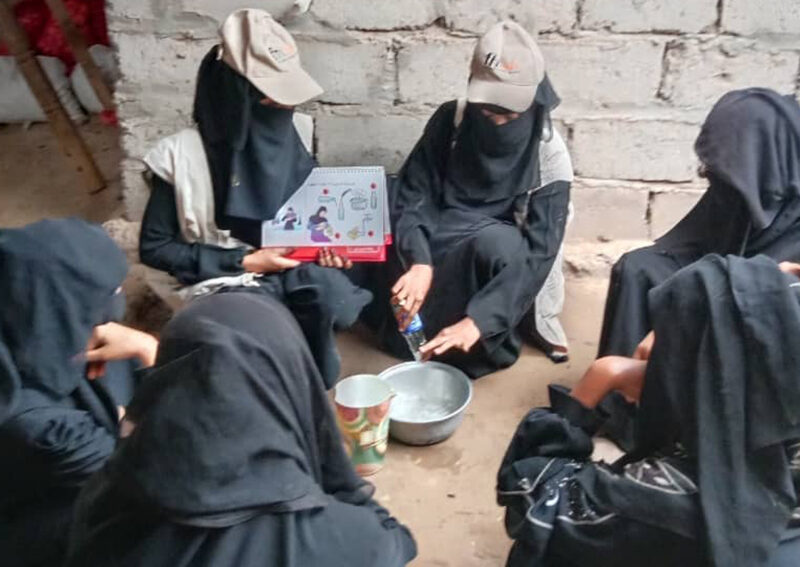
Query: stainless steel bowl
{"type": "Point", "coordinates": [430, 401]}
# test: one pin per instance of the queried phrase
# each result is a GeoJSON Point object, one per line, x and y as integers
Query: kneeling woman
{"type": "Point", "coordinates": [212, 185]}
{"type": "Point", "coordinates": [714, 478]}
{"type": "Point", "coordinates": [748, 147]}
{"type": "Point", "coordinates": [234, 457]}
{"type": "Point", "coordinates": [480, 209]}
{"type": "Point", "coordinates": [66, 373]}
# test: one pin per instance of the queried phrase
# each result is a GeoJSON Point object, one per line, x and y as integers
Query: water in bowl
{"type": "Point", "coordinates": [416, 408]}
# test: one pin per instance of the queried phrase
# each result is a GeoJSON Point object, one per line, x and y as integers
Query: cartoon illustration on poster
{"type": "Point", "coordinates": [344, 206]}
{"type": "Point", "coordinates": [289, 219]}
{"type": "Point", "coordinates": [318, 224]}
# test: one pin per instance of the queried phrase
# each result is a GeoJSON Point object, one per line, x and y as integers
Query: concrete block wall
{"type": "Point", "coordinates": [636, 78]}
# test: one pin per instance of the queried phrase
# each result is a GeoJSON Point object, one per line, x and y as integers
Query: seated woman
{"type": "Point", "coordinates": [749, 147]}
{"type": "Point", "coordinates": [234, 457]}
{"type": "Point", "coordinates": [66, 374]}
{"type": "Point", "coordinates": [479, 212]}
{"type": "Point", "coordinates": [213, 185]}
{"type": "Point", "coordinates": [714, 479]}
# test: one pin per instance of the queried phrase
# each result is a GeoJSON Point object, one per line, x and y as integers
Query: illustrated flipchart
{"type": "Point", "coordinates": [337, 207]}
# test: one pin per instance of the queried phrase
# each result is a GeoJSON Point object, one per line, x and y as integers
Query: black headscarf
{"type": "Point", "coordinates": [256, 157]}
{"type": "Point", "coordinates": [57, 280]}
{"type": "Point", "coordinates": [750, 148]}
{"type": "Point", "coordinates": [491, 163]}
{"type": "Point", "coordinates": [731, 396]}
{"type": "Point", "coordinates": [233, 420]}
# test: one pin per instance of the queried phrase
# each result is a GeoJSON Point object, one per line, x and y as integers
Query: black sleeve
{"type": "Point", "coordinates": [57, 447]}
{"type": "Point", "coordinates": [162, 247]}
{"type": "Point", "coordinates": [500, 305]}
{"type": "Point", "coordinates": [417, 191]}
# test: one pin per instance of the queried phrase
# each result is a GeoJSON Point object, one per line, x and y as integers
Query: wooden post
{"type": "Point", "coordinates": [67, 134]}
{"type": "Point", "coordinates": [77, 43]}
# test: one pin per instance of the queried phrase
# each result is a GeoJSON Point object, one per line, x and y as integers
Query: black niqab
{"type": "Point", "coordinates": [491, 163]}
{"type": "Point", "coordinates": [732, 396]}
{"type": "Point", "coordinates": [750, 147]}
{"type": "Point", "coordinates": [57, 280]}
{"type": "Point", "coordinates": [233, 421]}
{"type": "Point", "coordinates": [256, 157]}
{"type": "Point", "coordinates": [751, 142]}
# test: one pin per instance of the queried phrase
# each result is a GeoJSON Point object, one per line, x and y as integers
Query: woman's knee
{"type": "Point", "coordinates": [497, 242]}
{"type": "Point", "coordinates": [610, 366]}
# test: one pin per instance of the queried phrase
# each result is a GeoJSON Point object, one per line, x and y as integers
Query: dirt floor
{"type": "Point", "coordinates": [36, 182]}
{"type": "Point", "coordinates": [445, 493]}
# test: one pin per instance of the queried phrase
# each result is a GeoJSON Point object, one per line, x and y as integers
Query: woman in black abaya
{"type": "Point", "coordinates": [714, 478]}
{"type": "Point", "coordinates": [749, 148]}
{"type": "Point", "coordinates": [212, 186]}
{"type": "Point", "coordinates": [478, 218]}
{"type": "Point", "coordinates": [234, 458]}
{"type": "Point", "coordinates": [66, 372]}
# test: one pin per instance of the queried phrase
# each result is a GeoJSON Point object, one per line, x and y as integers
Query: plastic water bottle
{"type": "Point", "coordinates": [415, 337]}
{"type": "Point", "coordinates": [414, 333]}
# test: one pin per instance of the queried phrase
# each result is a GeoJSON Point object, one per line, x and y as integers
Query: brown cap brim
{"type": "Point", "coordinates": [289, 88]}
{"type": "Point", "coordinates": [513, 97]}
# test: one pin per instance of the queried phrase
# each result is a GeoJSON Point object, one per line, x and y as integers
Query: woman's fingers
{"type": "Point", "coordinates": [327, 258]}
{"type": "Point", "coordinates": [285, 263]}
{"type": "Point", "coordinates": [790, 268]}
{"type": "Point", "coordinates": [413, 308]}
{"type": "Point", "coordinates": [97, 354]}
{"type": "Point", "coordinates": [436, 346]}
{"type": "Point", "coordinates": [644, 348]}
{"type": "Point", "coordinates": [95, 370]}
{"type": "Point", "coordinates": [399, 287]}
{"type": "Point", "coordinates": [444, 347]}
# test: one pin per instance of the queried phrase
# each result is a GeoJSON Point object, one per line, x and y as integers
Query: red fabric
{"type": "Point", "coordinates": [44, 33]}
{"type": "Point", "coordinates": [52, 42]}
{"type": "Point", "coordinates": [32, 16]}
{"type": "Point", "coordinates": [109, 118]}
{"type": "Point", "coordinates": [97, 22]}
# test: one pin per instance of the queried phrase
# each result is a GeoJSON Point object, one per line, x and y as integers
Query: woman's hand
{"type": "Point", "coordinates": [113, 341]}
{"type": "Point", "coordinates": [411, 290]}
{"type": "Point", "coordinates": [269, 261]}
{"type": "Point", "coordinates": [792, 268]}
{"type": "Point", "coordinates": [645, 347]}
{"type": "Point", "coordinates": [462, 336]}
{"type": "Point", "coordinates": [327, 258]}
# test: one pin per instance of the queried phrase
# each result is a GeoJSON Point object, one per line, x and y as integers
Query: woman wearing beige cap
{"type": "Point", "coordinates": [213, 185]}
{"type": "Point", "coordinates": [479, 213]}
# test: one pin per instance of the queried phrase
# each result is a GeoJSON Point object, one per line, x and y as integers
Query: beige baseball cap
{"type": "Point", "coordinates": [259, 48]}
{"type": "Point", "coordinates": [507, 67]}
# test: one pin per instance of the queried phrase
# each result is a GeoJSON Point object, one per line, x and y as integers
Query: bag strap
{"type": "Point", "coordinates": [458, 118]}
{"type": "Point", "coordinates": [461, 107]}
